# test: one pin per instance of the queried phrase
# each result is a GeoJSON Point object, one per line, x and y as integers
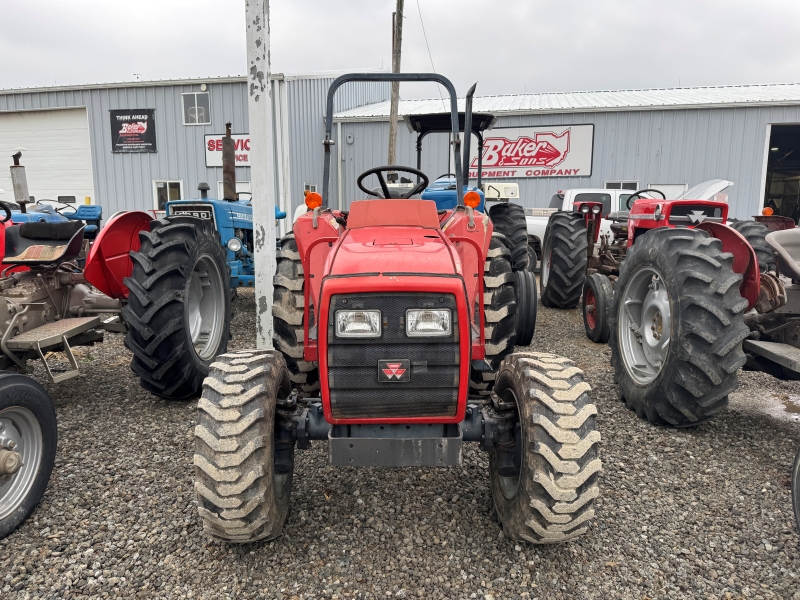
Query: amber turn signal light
{"type": "Point", "coordinates": [767, 211]}
{"type": "Point", "coordinates": [313, 200]}
{"type": "Point", "coordinates": [472, 199]}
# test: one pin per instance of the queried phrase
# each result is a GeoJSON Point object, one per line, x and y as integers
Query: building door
{"type": "Point", "coordinates": [782, 192]}
{"type": "Point", "coordinates": [55, 151]}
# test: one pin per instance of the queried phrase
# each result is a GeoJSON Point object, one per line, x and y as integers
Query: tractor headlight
{"type": "Point", "coordinates": [234, 244]}
{"type": "Point", "coordinates": [584, 208]}
{"type": "Point", "coordinates": [596, 209]}
{"type": "Point", "coordinates": [427, 322]}
{"type": "Point", "coordinates": [358, 323]}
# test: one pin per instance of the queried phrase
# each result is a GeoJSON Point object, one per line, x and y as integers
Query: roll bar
{"type": "Point", "coordinates": [328, 141]}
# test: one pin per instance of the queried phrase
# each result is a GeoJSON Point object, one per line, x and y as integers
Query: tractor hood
{"type": "Point", "coordinates": [407, 250]}
{"type": "Point", "coordinates": [707, 190]}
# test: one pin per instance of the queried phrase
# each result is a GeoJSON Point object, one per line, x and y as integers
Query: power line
{"type": "Point", "coordinates": [425, 35]}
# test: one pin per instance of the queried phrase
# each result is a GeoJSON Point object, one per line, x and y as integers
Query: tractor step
{"type": "Point", "coordinates": [395, 445]}
{"type": "Point", "coordinates": [54, 334]}
{"type": "Point", "coordinates": [782, 354]}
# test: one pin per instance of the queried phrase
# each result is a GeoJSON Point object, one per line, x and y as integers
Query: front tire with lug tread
{"type": "Point", "coordinates": [677, 327]}
{"type": "Point", "coordinates": [241, 495]}
{"type": "Point", "coordinates": [179, 306]}
{"type": "Point", "coordinates": [551, 498]}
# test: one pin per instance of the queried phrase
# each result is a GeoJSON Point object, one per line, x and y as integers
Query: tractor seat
{"type": "Point", "coordinates": [43, 243]}
{"type": "Point", "coordinates": [787, 245]}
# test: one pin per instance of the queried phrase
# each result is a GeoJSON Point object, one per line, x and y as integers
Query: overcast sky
{"type": "Point", "coordinates": [508, 46]}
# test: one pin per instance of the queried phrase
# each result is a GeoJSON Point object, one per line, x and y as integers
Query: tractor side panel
{"type": "Point", "coordinates": [109, 260]}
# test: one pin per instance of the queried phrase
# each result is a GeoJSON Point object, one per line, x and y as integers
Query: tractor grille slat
{"type": "Point", "coordinates": [356, 392]}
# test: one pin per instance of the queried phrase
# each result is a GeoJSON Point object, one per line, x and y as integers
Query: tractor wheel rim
{"type": "Point", "coordinates": [206, 304]}
{"type": "Point", "coordinates": [22, 427]}
{"type": "Point", "coordinates": [590, 308]}
{"type": "Point", "coordinates": [544, 272]}
{"type": "Point", "coordinates": [644, 327]}
{"type": "Point", "coordinates": [509, 486]}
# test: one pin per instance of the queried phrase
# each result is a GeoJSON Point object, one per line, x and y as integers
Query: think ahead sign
{"type": "Point", "coordinates": [133, 130]}
{"type": "Point", "coordinates": [560, 151]}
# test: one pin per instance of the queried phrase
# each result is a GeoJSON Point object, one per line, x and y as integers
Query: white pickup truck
{"type": "Point", "coordinates": [613, 201]}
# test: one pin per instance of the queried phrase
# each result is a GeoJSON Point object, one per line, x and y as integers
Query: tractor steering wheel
{"type": "Point", "coordinates": [6, 210]}
{"type": "Point", "coordinates": [638, 194]}
{"type": "Point", "coordinates": [385, 188]}
{"type": "Point", "coordinates": [445, 175]}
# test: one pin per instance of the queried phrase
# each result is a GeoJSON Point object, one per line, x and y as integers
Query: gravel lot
{"type": "Point", "coordinates": [702, 513]}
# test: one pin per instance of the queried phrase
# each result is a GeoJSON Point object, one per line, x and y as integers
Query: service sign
{"type": "Point", "coordinates": [241, 145]}
{"type": "Point", "coordinates": [554, 151]}
{"type": "Point", "coordinates": [133, 130]}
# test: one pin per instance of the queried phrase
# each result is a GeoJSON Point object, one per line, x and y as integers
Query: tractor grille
{"type": "Point", "coordinates": [694, 214]}
{"type": "Point", "coordinates": [200, 211]}
{"type": "Point", "coordinates": [356, 392]}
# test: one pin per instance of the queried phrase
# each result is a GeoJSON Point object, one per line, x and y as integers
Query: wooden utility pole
{"type": "Point", "coordinates": [397, 41]}
{"type": "Point", "coordinates": [259, 107]}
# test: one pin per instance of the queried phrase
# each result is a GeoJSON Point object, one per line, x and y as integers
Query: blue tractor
{"type": "Point", "coordinates": [233, 221]}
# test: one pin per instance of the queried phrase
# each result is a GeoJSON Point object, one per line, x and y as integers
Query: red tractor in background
{"type": "Point", "coordinates": [669, 289]}
{"type": "Point", "coordinates": [406, 318]}
{"type": "Point", "coordinates": [164, 283]}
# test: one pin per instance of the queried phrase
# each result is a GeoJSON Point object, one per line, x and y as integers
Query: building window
{"type": "Point", "coordinates": [196, 108]}
{"type": "Point", "coordinates": [309, 187]}
{"type": "Point", "coordinates": [622, 185]}
{"type": "Point", "coordinates": [164, 191]}
{"type": "Point", "coordinates": [242, 187]}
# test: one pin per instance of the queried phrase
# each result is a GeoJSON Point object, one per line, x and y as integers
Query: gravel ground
{"type": "Point", "coordinates": [702, 513]}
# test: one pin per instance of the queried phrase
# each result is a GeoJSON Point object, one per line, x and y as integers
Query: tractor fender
{"type": "Point", "coordinates": [109, 260]}
{"type": "Point", "coordinates": [745, 261]}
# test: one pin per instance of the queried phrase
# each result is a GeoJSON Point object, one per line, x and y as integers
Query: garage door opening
{"type": "Point", "coordinates": [783, 171]}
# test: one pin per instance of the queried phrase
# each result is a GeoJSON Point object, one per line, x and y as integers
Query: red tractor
{"type": "Point", "coordinates": [394, 334]}
{"type": "Point", "coordinates": [172, 300]}
{"type": "Point", "coordinates": [683, 298]}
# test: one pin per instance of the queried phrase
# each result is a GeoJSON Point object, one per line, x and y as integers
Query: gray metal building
{"type": "Point", "coordinates": [69, 148]}
{"type": "Point", "coordinates": [669, 138]}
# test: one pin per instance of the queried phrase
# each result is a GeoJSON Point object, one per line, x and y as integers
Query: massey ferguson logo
{"type": "Point", "coordinates": [545, 149]}
{"type": "Point", "coordinates": [697, 216]}
{"type": "Point", "coordinates": [394, 370]}
{"type": "Point", "coordinates": [133, 128]}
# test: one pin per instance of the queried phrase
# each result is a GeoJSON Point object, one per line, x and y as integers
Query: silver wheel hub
{"type": "Point", "coordinates": [206, 306]}
{"type": "Point", "coordinates": [21, 451]}
{"type": "Point", "coordinates": [645, 322]}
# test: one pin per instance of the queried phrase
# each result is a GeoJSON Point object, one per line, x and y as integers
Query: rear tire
{"type": "Point", "coordinates": [288, 318]}
{"type": "Point", "coordinates": [598, 295]}
{"type": "Point", "coordinates": [499, 314]}
{"type": "Point", "coordinates": [509, 220]}
{"type": "Point", "coordinates": [756, 233]}
{"type": "Point", "coordinates": [533, 261]}
{"type": "Point", "coordinates": [550, 499]}
{"type": "Point", "coordinates": [179, 307]}
{"type": "Point", "coordinates": [564, 260]}
{"type": "Point", "coordinates": [241, 495]}
{"type": "Point", "coordinates": [28, 419]}
{"type": "Point", "coordinates": [527, 301]}
{"type": "Point", "coordinates": [680, 369]}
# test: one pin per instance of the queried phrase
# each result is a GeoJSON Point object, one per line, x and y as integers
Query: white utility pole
{"type": "Point", "coordinates": [259, 106]}
{"type": "Point", "coordinates": [397, 41]}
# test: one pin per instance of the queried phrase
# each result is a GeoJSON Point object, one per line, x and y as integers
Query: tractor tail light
{"type": "Point", "coordinates": [767, 211]}
{"type": "Point", "coordinates": [313, 200]}
{"type": "Point", "coordinates": [472, 199]}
